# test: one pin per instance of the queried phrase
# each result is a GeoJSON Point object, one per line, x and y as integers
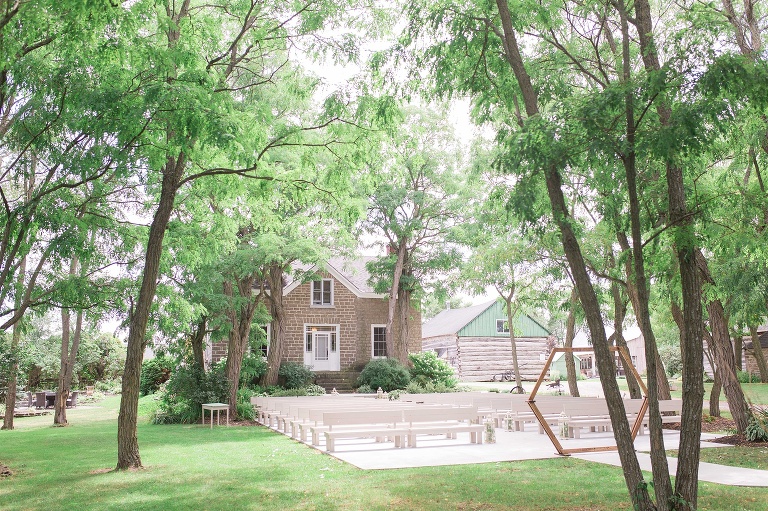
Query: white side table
{"type": "Point", "coordinates": [215, 407]}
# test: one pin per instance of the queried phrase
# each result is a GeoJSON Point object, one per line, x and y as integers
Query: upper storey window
{"type": "Point", "coordinates": [322, 293]}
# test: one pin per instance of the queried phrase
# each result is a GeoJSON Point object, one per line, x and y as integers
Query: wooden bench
{"type": "Point", "coordinates": [447, 421]}
{"type": "Point", "coordinates": [593, 414]}
{"type": "Point", "coordinates": [379, 424]}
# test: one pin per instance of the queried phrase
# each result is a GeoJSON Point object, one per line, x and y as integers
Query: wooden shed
{"type": "Point", "coordinates": [475, 342]}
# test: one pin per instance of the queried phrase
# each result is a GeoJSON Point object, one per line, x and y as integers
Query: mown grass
{"type": "Point", "coordinates": [736, 456]}
{"type": "Point", "coordinates": [243, 468]}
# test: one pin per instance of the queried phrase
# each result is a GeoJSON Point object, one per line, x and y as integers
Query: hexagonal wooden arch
{"type": "Point", "coordinates": [627, 361]}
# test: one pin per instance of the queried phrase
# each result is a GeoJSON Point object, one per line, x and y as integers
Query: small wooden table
{"type": "Point", "coordinates": [215, 407]}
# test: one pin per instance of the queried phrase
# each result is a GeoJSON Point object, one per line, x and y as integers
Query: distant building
{"type": "Point", "coordinates": [475, 342]}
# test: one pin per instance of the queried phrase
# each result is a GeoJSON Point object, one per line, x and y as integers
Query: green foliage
{"type": "Point", "coordinates": [432, 388]}
{"type": "Point", "coordinates": [672, 359]}
{"type": "Point", "coordinates": [427, 368]}
{"type": "Point", "coordinates": [757, 429]}
{"type": "Point", "coordinates": [387, 373]}
{"type": "Point", "coordinates": [314, 390]}
{"type": "Point", "coordinates": [155, 372]}
{"type": "Point", "coordinates": [114, 386]}
{"type": "Point", "coordinates": [245, 410]}
{"type": "Point", "coordinates": [747, 377]}
{"type": "Point", "coordinates": [295, 375]}
{"type": "Point", "coordinates": [254, 366]}
{"type": "Point", "coordinates": [187, 389]}
{"type": "Point", "coordinates": [365, 389]}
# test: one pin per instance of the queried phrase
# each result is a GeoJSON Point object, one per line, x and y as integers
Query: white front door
{"type": "Point", "coordinates": [323, 352]}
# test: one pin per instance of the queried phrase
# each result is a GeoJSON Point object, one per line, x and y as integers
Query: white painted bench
{"type": "Point", "coordinates": [379, 424]}
{"type": "Point", "coordinates": [447, 421]}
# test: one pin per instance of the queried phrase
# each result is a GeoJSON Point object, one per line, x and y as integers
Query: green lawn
{"type": "Point", "coordinates": [737, 456]}
{"type": "Point", "coordinates": [194, 467]}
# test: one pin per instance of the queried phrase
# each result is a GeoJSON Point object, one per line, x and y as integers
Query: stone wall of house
{"type": "Point", "coordinates": [353, 314]}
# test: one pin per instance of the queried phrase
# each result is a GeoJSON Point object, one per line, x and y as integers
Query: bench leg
{"type": "Point", "coordinates": [329, 444]}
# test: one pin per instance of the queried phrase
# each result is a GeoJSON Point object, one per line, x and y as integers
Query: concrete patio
{"type": "Point", "coordinates": [527, 445]}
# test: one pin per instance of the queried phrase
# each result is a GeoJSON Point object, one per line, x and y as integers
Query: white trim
{"type": "Point", "coordinates": [334, 356]}
{"type": "Point", "coordinates": [372, 328]}
{"type": "Point", "coordinates": [312, 294]}
{"type": "Point", "coordinates": [338, 276]}
{"type": "Point", "coordinates": [268, 329]}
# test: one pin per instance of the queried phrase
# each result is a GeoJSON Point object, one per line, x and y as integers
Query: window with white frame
{"type": "Point", "coordinates": [502, 326]}
{"type": "Point", "coordinates": [264, 348]}
{"type": "Point", "coordinates": [378, 341]}
{"type": "Point", "coordinates": [322, 293]}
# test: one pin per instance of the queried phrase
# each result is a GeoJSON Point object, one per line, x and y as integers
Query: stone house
{"type": "Point", "coordinates": [750, 364]}
{"type": "Point", "coordinates": [336, 324]}
{"type": "Point", "coordinates": [475, 342]}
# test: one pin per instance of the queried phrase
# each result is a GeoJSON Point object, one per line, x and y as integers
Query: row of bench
{"type": "Point", "coordinates": [334, 417]}
{"type": "Point", "coordinates": [342, 416]}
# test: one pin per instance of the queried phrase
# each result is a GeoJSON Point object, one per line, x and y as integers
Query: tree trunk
{"type": "Point", "coordinates": [604, 357]}
{"type": "Point", "coordinates": [661, 377]}
{"type": "Point", "coordinates": [722, 354]}
{"type": "Point", "coordinates": [393, 295]}
{"type": "Point", "coordinates": [619, 313]}
{"type": "Point", "coordinates": [714, 397]}
{"type": "Point", "coordinates": [401, 343]}
{"type": "Point", "coordinates": [510, 318]}
{"type": "Point", "coordinates": [197, 340]}
{"type": "Point", "coordinates": [277, 342]}
{"type": "Point", "coordinates": [10, 396]}
{"type": "Point", "coordinates": [738, 350]}
{"type": "Point", "coordinates": [570, 333]}
{"type": "Point", "coordinates": [238, 335]}
{"type": "Point", "coordinates": [127, 442]}
{"type": "Point", "coordinates": [68, 357]}
{"type": "Point", "coordinates": [687, 476]}
{"type": "Point", "coordinates": [757, 349]}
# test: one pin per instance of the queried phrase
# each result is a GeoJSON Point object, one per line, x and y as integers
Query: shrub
{"type": "Point", "coordinates": [387, 373]}
{"type": "Point", "coordinates": [757, 429]}
{"type": "Point", "coordinates": [314, 390]}
{"type": "Point", "coordinates": [430, 388]}
{"type": "Point", "coordinates": [295, 375]}
{"type": "Point", "coordinates": [428, 368]}
{"type": "Point", "coordinates": [365, 389]}
{"type": "Point", "coordinates": [673, 360]}
{"type": "Point", "coordinates": [155, 372]}
{"type": "Point", "coordinates": [245, 410]}
{"type": "Point", "coordinates": [186, 390]}
{"type": "Point", "coordinates": [108, 386]}
{"type": "Point", "coordinates": [254, 366]}
{"type": "Point", "coordinates": [746, 377]}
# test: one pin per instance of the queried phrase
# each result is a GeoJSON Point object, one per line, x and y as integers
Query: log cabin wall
{"type": "Point", "coordinates": [482, 358]}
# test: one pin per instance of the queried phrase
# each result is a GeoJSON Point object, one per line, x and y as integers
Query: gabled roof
{"type": "Point", "coordinates": [450, 321]}
{"type": "Point", "coordinates": [352, 273]}
{"type": "Point", "coordinates": [762, 335]}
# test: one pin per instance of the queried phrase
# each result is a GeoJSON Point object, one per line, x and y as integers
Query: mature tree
{"type": "Point", "coordinates": [510, 76]}
{"type": "Point", "coordinates": [213, 87]}
{"type": "Point", "coordinates": [51, 140]}
{"type": "Point", "coordinates": [413, 208]}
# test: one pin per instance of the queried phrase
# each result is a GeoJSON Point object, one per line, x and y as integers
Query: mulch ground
{"type": "Point", "coordinates": [716, 424]}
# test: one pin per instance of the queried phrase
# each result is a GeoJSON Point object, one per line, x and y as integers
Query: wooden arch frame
{"type": "Point", "coordinates": [626, 360]}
